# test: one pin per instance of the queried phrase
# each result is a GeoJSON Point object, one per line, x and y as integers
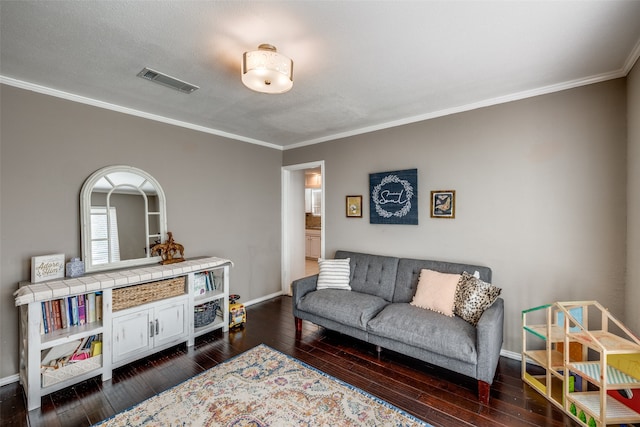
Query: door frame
{"type": "Point", "coordinates": [287, 233]}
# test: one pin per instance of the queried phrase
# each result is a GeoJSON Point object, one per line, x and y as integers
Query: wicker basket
{"type": "Point", "coordinates": [204, 314]}
{"type": "Point", "coordinates": [133, 296]}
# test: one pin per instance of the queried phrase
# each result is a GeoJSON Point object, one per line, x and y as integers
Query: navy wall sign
{"type": "Point", "coordinates": [394, 197]}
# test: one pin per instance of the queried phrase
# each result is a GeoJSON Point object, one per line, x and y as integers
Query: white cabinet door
{"type": "Point", "coordinates": [312, 243]}
{"type": "Point", "coordinates": [153, 326]}
{"type": "Point", "coordinates": [170, 323]}
{"type": "Point", "coordinates": [314, 247]}
{"type": "Point", "coordinates": [131, 334]}
{"type": "Point", "coordinates": [307, 245]}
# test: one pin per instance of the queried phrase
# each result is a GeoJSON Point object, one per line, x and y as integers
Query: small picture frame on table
{"type": "Point", "coordinates": [354, 206]}
{"type": "Point", "coordinates": [443, 204]}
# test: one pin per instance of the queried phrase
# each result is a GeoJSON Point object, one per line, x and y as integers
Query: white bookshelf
{"type": "Point", "coordinates": [160, 328]}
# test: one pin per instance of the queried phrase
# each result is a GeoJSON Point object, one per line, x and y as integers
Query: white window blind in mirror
{"type": "Point", "coordinates": [104, 250]}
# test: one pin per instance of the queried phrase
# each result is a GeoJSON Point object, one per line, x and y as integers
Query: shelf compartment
{"type": "Point", "coordinates": [72, 370]}
{"type": "Point", "coordinates": [556, 333]}
{"type": "Point", "coordinates": [218, 323]}
{"type": "Point", "coordinates": [134, 296]}
{"type": "Point", "coordinates": [72, 333]}
{"type": "Point", "coordinates": [616, 379]}
{"type": "Point", "coordinates": [611, 343]}
{"type": "Point", "coordinates": [617, 413]}
{"type": "Point", "coordinates": [210, 282]}
{"type": "Point", "coordinates": [205, 314]}
{"type": "Point", "coordinates": [209, 296]}
{"type": "Point", "coordinates": [539, 382]}
{"type": "Point", "coordinates": [540, 357]}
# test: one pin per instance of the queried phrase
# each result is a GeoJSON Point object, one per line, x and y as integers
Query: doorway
{"type": "Point", "coordinates": [294, 221]}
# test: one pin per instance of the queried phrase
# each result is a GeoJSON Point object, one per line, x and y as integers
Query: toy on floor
{"type": "Point", "coordinates": [237, 313]}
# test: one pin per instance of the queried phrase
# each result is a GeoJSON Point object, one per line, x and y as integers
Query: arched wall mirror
{"type": "Point", "coordinates": [123, 214]}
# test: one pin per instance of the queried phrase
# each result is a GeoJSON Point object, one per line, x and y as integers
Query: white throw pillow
{"type": "Point", "coordinates": [334, 274]}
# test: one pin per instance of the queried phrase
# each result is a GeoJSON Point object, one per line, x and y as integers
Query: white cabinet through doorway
{"type": "Point", "coordinates": [312, 244]}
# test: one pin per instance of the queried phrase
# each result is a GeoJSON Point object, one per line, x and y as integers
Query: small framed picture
{"type": "Point", "coordinates": [354, 206]}
{"type": "Point", "coordinates": [443, 204]}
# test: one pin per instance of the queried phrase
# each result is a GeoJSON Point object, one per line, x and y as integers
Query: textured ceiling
{"type": "Point", "coordinates": [359, 66]}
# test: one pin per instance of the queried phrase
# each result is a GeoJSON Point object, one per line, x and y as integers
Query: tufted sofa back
{"type": "Point", "coordinates": [372, 274]}
{"type": "Point", "coordinates": [409, 273]}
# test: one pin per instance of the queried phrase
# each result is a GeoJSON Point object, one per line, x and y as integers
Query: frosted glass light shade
{"type": "Point", "coordinates": [265, 70]}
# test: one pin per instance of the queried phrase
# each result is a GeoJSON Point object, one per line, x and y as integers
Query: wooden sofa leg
{"type": "Point", "coordinates": [298, 325]}
{"type": "Point", "coordinates": [484, 390]}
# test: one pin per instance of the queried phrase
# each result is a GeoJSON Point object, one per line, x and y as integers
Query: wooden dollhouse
{"type": "Point", "coordinates": [584, 361]}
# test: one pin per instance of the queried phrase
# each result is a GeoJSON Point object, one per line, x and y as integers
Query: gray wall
{"type": "Point", "coordinates": [540, 190]}
{"type": "Point", "coordinates": [633, 195]}
{"type": "Point", "coordinates": [223, 196]}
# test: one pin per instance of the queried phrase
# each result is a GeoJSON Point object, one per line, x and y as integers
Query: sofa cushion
{"type": "Point", "coordinates": [436, 291]}
{"type": "Point", "coordinates": [426, 329]}
{"type": "Point", "coordinates": [372, 274]}
{"type": "Point", "coordinates": [473, 297]}
{"type": "Point", "coordinates": [409, 271]}
{"type": "Point", "coordinates": [350, 308]}
{"type": "Point", "coordinates": [334, 274]}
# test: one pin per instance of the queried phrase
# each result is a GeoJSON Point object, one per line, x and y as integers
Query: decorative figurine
{"type": "Point", "coordinates": [169, 250]}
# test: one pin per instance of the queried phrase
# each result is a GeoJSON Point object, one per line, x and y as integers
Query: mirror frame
{"type": "Point", "coordinates": [85, 217]}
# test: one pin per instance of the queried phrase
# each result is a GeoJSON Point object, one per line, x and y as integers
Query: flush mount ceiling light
{"type": "Point", "coordinates": [267, 71]}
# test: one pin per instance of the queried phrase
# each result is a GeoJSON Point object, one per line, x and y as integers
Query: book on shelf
{"type": "Point", "coordinates": [64, 312]}
{"type": "Point", "coordinates": [91, 307]}
{"type": "Point", "coordinates": [74, 310]}
{"type": "Point", "coordinates": [82, 319]}
{"type": "Point", "coordinates": [45, 319]}
{"type": "Point", "coordinates": [69, 306]}
{"type": "Point", "coordinates": [99, 306]}
{"type": "Point", "coordinates": [200, 284]}
{"type": "Point", "coordinates": [216, 279]}
{"type": "Point", "coordinates": [49, 317]}
{"type": "Point", "coordinates": [96, 348]}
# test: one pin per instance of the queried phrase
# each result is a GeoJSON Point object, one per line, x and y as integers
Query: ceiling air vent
{"type": "Point", "coordinates": [168, 81]}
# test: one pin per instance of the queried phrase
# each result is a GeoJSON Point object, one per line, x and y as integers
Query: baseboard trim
{"type": "Point", "coordinates": [9, 380]}
{"type": "Point", "coordinates": [261, 299]}
{"type": "Point", "coordinates": [511, 355]}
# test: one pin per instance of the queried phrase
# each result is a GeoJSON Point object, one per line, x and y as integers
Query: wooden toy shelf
{"type": "Point", "coordinates": [591, 374]}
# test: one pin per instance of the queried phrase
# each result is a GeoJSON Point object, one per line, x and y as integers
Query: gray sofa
{"type": "Point", "coordinates": [377, 311]}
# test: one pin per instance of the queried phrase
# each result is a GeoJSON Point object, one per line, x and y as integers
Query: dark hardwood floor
{"type": "Point", "coordinates": [433, 394]}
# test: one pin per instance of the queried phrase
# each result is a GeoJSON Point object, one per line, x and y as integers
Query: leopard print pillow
{"type": "Point", "coordinates": [473, 297]}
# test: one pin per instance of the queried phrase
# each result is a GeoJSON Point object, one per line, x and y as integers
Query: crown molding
{"type": "Point", "coordinates": [632, 59]}
{"type": "Point", "coordinates": [130, 111]}
{"type": "Point", "coordinates": [545, 90]}
{"type": "Point", "coordinates": [476, 105]}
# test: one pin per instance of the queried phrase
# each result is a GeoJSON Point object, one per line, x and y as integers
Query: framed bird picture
{"type": "Point", "coordinates": [443, 204]}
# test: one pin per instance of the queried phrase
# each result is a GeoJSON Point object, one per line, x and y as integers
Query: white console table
{"type": "Point", "coordinates": [125, 334]}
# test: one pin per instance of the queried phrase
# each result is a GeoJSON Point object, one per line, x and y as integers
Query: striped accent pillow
{"type": "Point", "coordinates": [334, 274]}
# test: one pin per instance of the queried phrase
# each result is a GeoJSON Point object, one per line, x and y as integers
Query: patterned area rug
{"type": "Point", "coordinates": [263, 387]}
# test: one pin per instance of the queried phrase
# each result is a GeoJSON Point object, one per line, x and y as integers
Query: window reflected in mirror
{"type": "Point", "coordinates": [123, 212]}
